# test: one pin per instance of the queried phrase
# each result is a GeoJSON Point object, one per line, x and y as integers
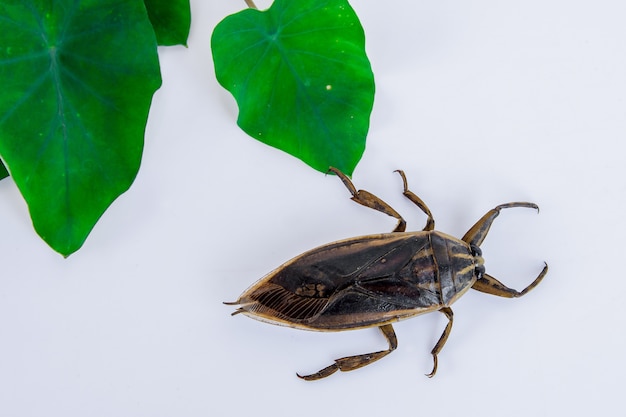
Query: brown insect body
{"type": "Point", "coordinates": [375, 280]}
{"type": "Point", "coordinates": [364, 281]}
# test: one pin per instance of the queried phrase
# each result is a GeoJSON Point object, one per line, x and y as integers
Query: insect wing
{"type": "Point", "coordinates": [346, 284]}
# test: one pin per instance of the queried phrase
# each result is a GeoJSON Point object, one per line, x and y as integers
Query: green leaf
{"type": "Point", "coordinates": [3, 171]}
{"type": "Point", "coordinates": [77, 81]}
{"type": "Point", "coordinates": [171, 20]}
{"type": "Point", "coordinates": [301, 78]}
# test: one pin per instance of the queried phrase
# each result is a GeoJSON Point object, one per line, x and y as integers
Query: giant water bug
{"type": "Point", "coordinates": [376, 280]}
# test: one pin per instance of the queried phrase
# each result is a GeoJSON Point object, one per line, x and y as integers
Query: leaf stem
{"type": "Point", "coordinates": [251, 4]}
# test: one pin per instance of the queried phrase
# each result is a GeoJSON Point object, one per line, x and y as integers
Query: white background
{"type": "Point", "coordinates": [480, 102]}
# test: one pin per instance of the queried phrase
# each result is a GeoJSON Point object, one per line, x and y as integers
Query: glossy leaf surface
{"type": "Point", "coordinates": [77, 82]}
{"type": "Point", "coordinates": [301, 78]}
{"type": "Point", "coordinates": [171, 20]}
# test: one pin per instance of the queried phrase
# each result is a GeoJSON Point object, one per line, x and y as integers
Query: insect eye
{"type": "Point", "coordinates": [480, 270]}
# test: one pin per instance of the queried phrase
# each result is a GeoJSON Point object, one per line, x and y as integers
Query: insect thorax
{"type": "Point", "coordinates": [447, 265]}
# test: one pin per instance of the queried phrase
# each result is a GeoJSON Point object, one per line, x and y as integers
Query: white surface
{"type": "Point", "coordinates": [481, 103]}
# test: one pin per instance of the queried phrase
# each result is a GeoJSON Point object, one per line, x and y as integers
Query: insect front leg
{"type": "Point", "coordinates": [488, 284]}
{"type": "Point", "coordinates": [442, 339]}
{"type": "Point", "coordinates": [350, 363]}
{"type": "Point", "coordinates": [478, 232]}
{"type": "Point", "coordinates": [368, 199]}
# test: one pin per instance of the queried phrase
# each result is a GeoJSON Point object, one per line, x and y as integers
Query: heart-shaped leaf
{"type": "Point", "coordinates": [301, 78]}
{"type": "Point", "coordinates": [171, 20]}
{"type": "Point", "coordinates": [77, 82]}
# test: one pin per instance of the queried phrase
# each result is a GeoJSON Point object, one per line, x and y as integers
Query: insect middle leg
{"type": "Point", "coordinates": [442, 339]}
{"type": "Point", "coordinates": [430, 221]}
{"type": "Point", "coordinates": [350, 363]}
{"type": "Point", "coordinates": [368, 199]}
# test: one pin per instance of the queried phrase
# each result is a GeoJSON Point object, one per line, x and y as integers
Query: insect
{"type": "Point", "coordinates": [376, 280]}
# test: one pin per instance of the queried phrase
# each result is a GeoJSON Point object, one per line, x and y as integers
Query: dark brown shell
{"type": "Point", "coordinates": [364, 281]}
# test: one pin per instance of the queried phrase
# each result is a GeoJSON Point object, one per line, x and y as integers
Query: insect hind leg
{"type": "Point", "coordinates": [350, 363]}
{"type": "Point", "coordinates": [367, 199]}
